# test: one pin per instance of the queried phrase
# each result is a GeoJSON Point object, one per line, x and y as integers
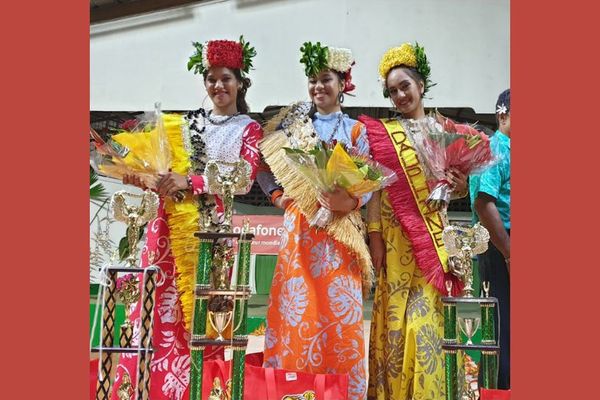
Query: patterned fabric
{"type": "Point", "coordinates": [170, 365]}
{"type": "Point", "coordinates": [405, 349]}
{"type": "Point", "coordinates": [405, 346]}
{"type": "Point", "coordinates": [315, 312]}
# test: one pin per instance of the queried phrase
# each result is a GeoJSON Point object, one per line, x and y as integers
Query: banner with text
{"type": "Point", "coordinates": [267, 230]}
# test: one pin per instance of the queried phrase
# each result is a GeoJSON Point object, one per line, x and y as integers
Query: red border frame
{"type": "Point", "coordinates": [44, 197]}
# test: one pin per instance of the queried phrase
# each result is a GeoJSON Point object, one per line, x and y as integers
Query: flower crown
{"type": "Point", "coordinates": [317, 58]}
{"type": "Point", "coordinates": [222, 53]}
{"type": "Point", "coordinates": [410, 56]}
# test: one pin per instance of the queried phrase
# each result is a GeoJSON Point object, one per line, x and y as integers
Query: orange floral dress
{"type": "Point", "coordinates": [315, 315]}
{"type": "Point", "coordinates": [315, 312]}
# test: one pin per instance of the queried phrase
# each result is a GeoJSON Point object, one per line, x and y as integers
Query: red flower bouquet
{"type": "Point", "coordinates": [445, 145]}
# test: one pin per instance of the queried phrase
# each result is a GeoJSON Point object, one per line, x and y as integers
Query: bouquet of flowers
{"type": "Point", "coordinates": [328, 166]}
{"type": "Point", "coordinates": [446, 145]}
{"type": "Point", "coordinates": [142, 149]}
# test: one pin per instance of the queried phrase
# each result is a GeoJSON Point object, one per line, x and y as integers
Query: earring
{"type": "Point", "coordinates": [341, 97]}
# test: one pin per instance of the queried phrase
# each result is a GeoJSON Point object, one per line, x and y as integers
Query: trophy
{"type": "Point", "coordinates": [129, 293]}
{"type": "Point", "coordinates": [219, 304]}
{"type": "Point", "coordinates": [469, 327]}
{"type": "Point", "coordinates": [227, 184]}
{"type": "Point", "coordinates": [223, 262]}
{"type": "Point", "coordinates": [220, 313]}
{"type": "Point", "coordinates": [486, 288]}
{"type": "Point", "coordinates": [219, 320]}
{"type": "Point", "coordinates": [449, 287]}
{"type": "Point", "coordinates": [462, 243]}
{"type": "Point", "coordinates": [125, 388]}
{"type": "Point", "coordinates": [130, 289]}
{"type": "Point", "coordinates": [134, 216]}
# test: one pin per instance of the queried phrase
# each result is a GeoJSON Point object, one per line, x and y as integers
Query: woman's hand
{"type": "Point", "coordinates": [134, 180]}
{"type": "Point", "coordinates": [458, 181]}
{"type": "Point", "coordinates": [283, 201]}
{"type": "Point", "coordinates": [171, 183]}
{"type": "Point", "coordinates": [339, 200]}
{"type": "Point", "coordinates": [377, 250]}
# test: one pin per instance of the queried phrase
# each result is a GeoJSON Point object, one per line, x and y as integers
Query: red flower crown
{"type": "Point", "coordinates": [222, 53]}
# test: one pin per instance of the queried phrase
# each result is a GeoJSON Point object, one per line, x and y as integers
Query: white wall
{"type": "Point", "coordinates": [138, 60]}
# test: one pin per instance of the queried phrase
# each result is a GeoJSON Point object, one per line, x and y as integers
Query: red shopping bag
{"type": "Point", "coordinates": [218, 368]}
{"type": "Point", "coordinates": [494, 394]}
{"type": "Point", "coordinates": [276, 384]}
{"type": "Point", "coordinates": [93, 378]}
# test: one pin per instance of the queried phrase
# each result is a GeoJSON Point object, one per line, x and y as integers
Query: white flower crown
{"type": "Point", "coordinates": [339, 59]}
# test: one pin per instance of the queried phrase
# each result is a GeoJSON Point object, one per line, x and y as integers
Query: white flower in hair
{"type": "Point", "coordinates": [339, 59]}
{"type": "Point", "coordinates": [205, 62]}
{"type": "Point", "coordinates": [501, 109]}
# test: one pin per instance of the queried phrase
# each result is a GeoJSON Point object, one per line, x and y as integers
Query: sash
{"type": "Point", "coordinates": [347, 230]}
{"type": "Point", "coordinates": [422, 225]}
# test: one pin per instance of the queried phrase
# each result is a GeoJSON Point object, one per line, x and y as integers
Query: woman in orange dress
{"type": "Point", "coordinates": [315, 312]}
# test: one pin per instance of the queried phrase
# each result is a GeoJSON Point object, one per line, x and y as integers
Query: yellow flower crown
{"type": "Point", "coordinates": [403, 55]}
{"type": "Point", "coordinates": [408, 55]}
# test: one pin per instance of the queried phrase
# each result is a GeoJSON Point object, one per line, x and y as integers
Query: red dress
{"type": "Point", "coordinates": [170, 365]}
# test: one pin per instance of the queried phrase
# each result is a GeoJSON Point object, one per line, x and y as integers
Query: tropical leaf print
{"type": "Point", "coordinates": [345, 297]}
{"type": "Point", "coordinates": [357, 385]}
{"type": "Point", "coordinates": [417, 306]}
{"type": "Point", "coordinates": [168, 309]}
{"type": "Point", "coordinates": [293, 301]}
{"type": "Point", "coordinates": [429, 345]}
{"type": "Point", "coordinates": [178, 378]}
{"type": "Point", "coordinates": [270, 338]}
{"type": "Point", "coordinates": [323, 257]}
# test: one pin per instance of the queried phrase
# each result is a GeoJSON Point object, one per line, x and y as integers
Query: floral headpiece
{"type": "Point", "coordinates": [503, 103]}
{"type": "Point", "coordinates": [501, 109]}
{"type": "Point", "coordinates": [222, 53]}
{"type": "Point", "coordinates": [317, 58]}
{"type": "Point", "coordinates": [410, 56]}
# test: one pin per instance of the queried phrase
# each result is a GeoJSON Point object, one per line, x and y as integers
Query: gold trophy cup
{"type": "Point", "coordinates": [469, 327]}
{"type": "Point", "coordinates": [219, 320]}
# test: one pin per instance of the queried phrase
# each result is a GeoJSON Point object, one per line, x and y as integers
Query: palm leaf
{"type": "Point", "coordinates": [97, 190]}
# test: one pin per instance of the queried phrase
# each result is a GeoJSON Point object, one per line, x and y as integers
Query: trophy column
{"type": "Point", "coordinates": [108, 325]}
{"type": "Point", "coordinates": [462, 243]}
{"type": "Point", "coordinates": [146, 318]}
{"type": "Point", "coordinates": [129, 293]}
{"type": "Point", "coordinates": [489, 359]}
{"type": "Point", "coordinates": [199, 317]}
{"type": "Point", "coordinates": [241, 314]}
{"type": "Point", "coordinates": [217, 302]}
{"type": "Point", "coordinates": [450, 337]}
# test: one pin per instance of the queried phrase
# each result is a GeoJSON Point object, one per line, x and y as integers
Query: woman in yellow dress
{"type": "Point", "coordinates": [405, 349]}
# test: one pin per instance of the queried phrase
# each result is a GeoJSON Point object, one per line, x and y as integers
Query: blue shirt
{"type": "Point", "coordinates": [495, 181]}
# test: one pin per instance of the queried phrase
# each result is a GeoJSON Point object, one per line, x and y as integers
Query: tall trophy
{"type": "Point", "coordinates": [128, 290]}
{"type": "Point", "coordinates": [135, 216]}
{"type": "Point", "coordinates": [462, 243]}
{"type": "Point", "coordinates": [220, 308]}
